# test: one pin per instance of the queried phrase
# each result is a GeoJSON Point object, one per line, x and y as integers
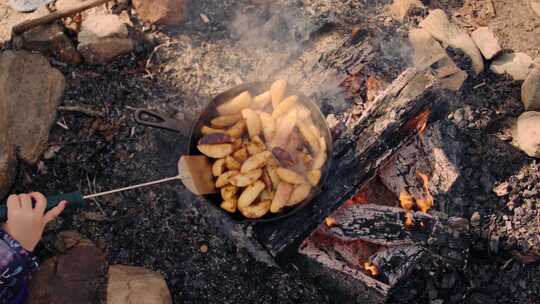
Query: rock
{"type": "Point", "coordinates": [102, 38]}
{"type": "Point", "coordinates": [535, 5]}
{"type": "Point", "coordinates": [133, 285]}
{"type": "Point", "coordinates": [516, 65]}
{"type": "Point", "coordinates": [51, 40]}
{"type": "Point", "coordinates": [74, 277]}
{"type": "Point", "coordinates": [475, 219]}
{"type": "Point", "coordinates": [485, 40]}
{"type": "Point", "coordinates": [438, 25]}
{"type": "Point", "coordinates": [73, 23]}
{"type": "Point", "coordinates": [530, 90]}
{"type": "Point", "coordinates": [166, 12]}
{"type": "Point", "coordinates": [402, 8]}
{"type": "Point", "coordinates": [527, 133]}
{"type": "Point", "coordinates": [30, 92]}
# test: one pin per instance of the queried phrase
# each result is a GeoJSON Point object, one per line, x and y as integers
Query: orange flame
{"type": "Point", "coordinates": [330, 222]}
{"type": "Point", "coordinates": [424, 204]}
{"type": "Point", "coordinates": [371, 268]}
{"type": "Point", "coordinates": [406, 201]}
{"type": "Point", "coordinates": [409, 220]}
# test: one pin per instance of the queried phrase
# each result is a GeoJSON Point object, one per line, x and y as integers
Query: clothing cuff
{"type": "Point", "coordinates": [31, 262]}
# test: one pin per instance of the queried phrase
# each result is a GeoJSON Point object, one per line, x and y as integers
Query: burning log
{"type": "Point", "coordinates": [357, 154]}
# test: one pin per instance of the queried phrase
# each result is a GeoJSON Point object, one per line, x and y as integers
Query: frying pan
{"type": "Point", "coordinates": [149, 118]}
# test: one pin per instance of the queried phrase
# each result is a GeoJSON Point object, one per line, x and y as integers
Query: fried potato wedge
{"type": "Point", "coordinates": [285, 106]}
{"type": "Point", "coordinates": [246, 179]}
{"type": "Point", "coordinates": [320, 157]}
{"type": "Point", "coordinates": [256, 210]}
{"type": "Point", "coordinates": [309, 136]}
{"type": "Point", "coordinates": [237, 144]}
{"type": "Point", "coordinates": [205, 130]}
{"type": "Point", "coordinates": [314, 176]}
{"type": "Point", "coordinates": [224, 179]}
{"type": "Point", "coordinates": [300, 193]}
{"type": "Point", "coordinates": [229, 205]}
{"type": "Point", "coordinates": [268, 125]}
{"type": "Point", "coordinates": [260, 101]}
{"type": "Point", "coordinates": [216, 151]}
{"type": "Point", "coordinates": [218, 167]}
{"type": "Point", "coordinates": [283, 192]}
{"type": "Point", "coordinates": [236, 104]}
{"type": "Point", "coordinates": [303, 112]}
{"type": "Point", "coordinates": [284, 128]}
{"type": "Point", "coordinates": [229, 192]}
{"type": "Point", "coordinates": [290, 176]}
{"type": "Point", "coordinates": [215, 138]}
{"type": "Point", "coordinates": [225, 120]}
{"type": "Point", "coordinates": [232, 163]}
{"type": "Point", "coordinates": [253, 122]}
{"type": "Point", "coordinates": [250, 194]}
{"type": "Point", "coordinates": [272, 173]}
{"type": "Point", "coordinates": [277, 91]}
{"type": "Point", "coordinates": [237, 130]}
{"type": "Point", "coordinates": [266, 195]}
{"type": "Point", "coordinates": [255, 162]}
{"type": "Point", "coordinates": [255, 146]}
{"type": "Point", "coordinates": [241, 154]}
{"type": "Point", "coordinates": [304, 158]}
{"type": "Point", "coordinates": [266, 179]}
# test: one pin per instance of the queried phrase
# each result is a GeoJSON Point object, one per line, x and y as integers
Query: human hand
{"type": "Point", "coordinates": [24, 223]}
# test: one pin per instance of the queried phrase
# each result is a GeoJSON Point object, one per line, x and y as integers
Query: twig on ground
{"type": "Point", "coordinates": [83, 110]}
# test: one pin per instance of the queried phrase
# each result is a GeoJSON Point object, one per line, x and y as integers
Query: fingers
{"type": "Point", "coordinates": [54, 212]}
{"type": "Point", "coordinates": [26, 201]}
{"type": "Point", "coordinates": [41, 202]}
{"type": "Point", "coordinates": [13, 202]}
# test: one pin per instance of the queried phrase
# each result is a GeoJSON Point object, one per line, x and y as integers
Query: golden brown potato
{"type": "Point", "coordinates": [229, 205]}
{"type": "Point", "coordinates": [266, 179]}
{"type": "Point", "coordinates": [232, 163]}
{"type": "Point", "coordinates": [255, 162]}
{"type": "Point", "coordinates": [299, 194]}
{"type": "Point", "coordinates": [236, 104]}
{"type": "Point", "coordinates": [285, 106]}
{"type": "Point", "coordinates": [245, 179]}
{"type": "Point", "coordinates": [272, 173]}
{"type": "Point", "coordinates": [237, 144]}
{"type": "Point", "coordinates": [284, 129]}
{"type": "Point", "coordinates": [237, 130]}
{"type": "Point", "coordinates": [309, 136]}
{"type": "Point", "coordinates": [241, 154]}
{"type": "Point", "coordinates": [253, 122]}
{"type": "Point", "coordinates": [303, 112]}
{"type": "Point", "coordinates": [268, 125]}
{"type": "Point", "coordinates": [304, 158]}
{"type": "Point", "coordinates": [320, 157]}
{"type": "Point", "coordinates": [229, 192]}
{"type": "Point", "coordinates": [218, 167]}
{"type": "Point", "coordinates": [277, 91]}
{"type": "Point", "coordinates": [283, 192]}
{"type": "Point", "coordinates": [250, 194]}
{"type": "Point", "coordinates": [260, 101]}
{"type": "Point", "coordinates": [205, 130]}
{"type": "Point", "coordinates": [266, 194]}
{"type": "Point", "coordinates": [255, 146]}
{"type": "Point", "coordinates": [216, 151]}
{"type": "Point", "coordinates": [314, 176]}
{"type": "Point", "coordinates": [256, 210]}
{"type": "Point", "coordinates": [224, 179]}
{"type": "Point", "coordinates": [290, 176]}
{"type": "Point", "coordinates": [225, 120]}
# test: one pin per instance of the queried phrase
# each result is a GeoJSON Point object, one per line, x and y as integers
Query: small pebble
{"type": "Point", "coordinates": [203, 249]}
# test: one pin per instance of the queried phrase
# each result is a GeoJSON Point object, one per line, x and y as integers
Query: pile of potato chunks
{"type": "Point", "coordinates": [268, 152]}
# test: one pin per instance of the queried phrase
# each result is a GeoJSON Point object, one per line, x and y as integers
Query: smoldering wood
{"type": "Point", "coordinates": [357, 154]}
{"type": "Point", "coordinates": [395, 263]}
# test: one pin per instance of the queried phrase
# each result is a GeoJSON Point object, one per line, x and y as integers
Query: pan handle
{"type": "Point", "coordinates": [156, 120]}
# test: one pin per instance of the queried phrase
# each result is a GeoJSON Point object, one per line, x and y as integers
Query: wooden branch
{"type": "Point", "coordinates": [28, 24]}
{"type": "Point", "coordinates": [357, 155]}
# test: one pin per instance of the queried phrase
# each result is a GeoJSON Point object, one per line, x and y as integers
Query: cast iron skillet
{"type": "Point", "coordinates": [149, 118]}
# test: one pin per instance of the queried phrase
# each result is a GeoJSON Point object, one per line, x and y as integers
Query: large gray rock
{"type": "Point", "coordinates": [49, 39]}
{"type": "Point", "coordinates": [527, 133]}
{"type": "Point", "coordinates": [166, 12]}
{"type": "Point", "coordinates": [136, 285]}
{"type": "Point", "coordinates": [517, 65]}
{"type": "Point", "coordinates": [530, 90]}
{"type": "Point", "coordinates": [485, 40]}
{"type": "Point", "coordinates": [30, 92]}
{"type": "Point", "coordinates": [102, 38]}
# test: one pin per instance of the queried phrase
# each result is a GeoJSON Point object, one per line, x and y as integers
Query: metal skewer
{"type": "Point", "coordinates": [180, 177]}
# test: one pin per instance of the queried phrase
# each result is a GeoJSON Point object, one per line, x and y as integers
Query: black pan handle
{"type": "Point", "coordinates": [74, 199]}
{"type": "Point", "coordinates": [153, 119]}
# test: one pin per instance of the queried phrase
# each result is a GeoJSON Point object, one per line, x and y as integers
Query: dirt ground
{"type": "Point", "coordinates": [160, 228]}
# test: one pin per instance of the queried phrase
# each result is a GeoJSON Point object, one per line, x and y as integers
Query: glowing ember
{"type": "Point", "coordinates": [409, 220]}
{"type": "Point", "coordinates": [359, 198]}
{"type": "Point", "coordinates": [419, 123]}
{"type": "Point", "coordinates": [424, 204]}
{"type": "Point", "coordinates": [371, 268]}
{"type": "Point", "coordinates": [330, 222]}
{"type": "Point", "coordinates": [406, 201]}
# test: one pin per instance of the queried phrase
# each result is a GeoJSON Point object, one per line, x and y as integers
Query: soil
{"type": "Point", "coordinates": [162, 229]}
